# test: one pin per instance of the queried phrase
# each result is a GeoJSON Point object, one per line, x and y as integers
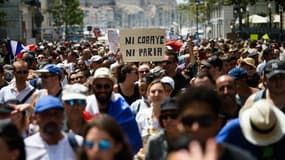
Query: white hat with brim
{"type": "Point", "coordinates": [103, 73]}
{"type": "Point", "coordinates": [74, 91]}
{"type": "Point", "coordinates": [262, 123]}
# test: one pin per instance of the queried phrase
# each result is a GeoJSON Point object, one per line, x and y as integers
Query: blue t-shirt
{"type": "Point", "coordinates": [232, 134]}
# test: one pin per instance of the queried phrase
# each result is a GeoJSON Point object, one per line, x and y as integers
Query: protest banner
{"type": "Point", "coordinates": [142, 45]}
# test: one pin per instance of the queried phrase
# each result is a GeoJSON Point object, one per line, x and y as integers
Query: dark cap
{"type": "Point", "coordinates": [215, 61]}
{"type": "Point", "coordinates": [274, 67]}
{"type": "Point", "coordinates": [169, 103]}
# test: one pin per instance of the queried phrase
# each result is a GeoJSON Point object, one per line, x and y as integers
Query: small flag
{"type": "Point", "coordinates": [265, 36]}
{"type": "Point", "coordinates": [14, 48]}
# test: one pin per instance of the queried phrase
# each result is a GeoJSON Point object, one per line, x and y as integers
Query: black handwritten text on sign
{"type": "Point", "coordinates": [142, 44]}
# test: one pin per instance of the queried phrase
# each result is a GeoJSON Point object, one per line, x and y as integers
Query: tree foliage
{"type": "Point", "coordinates": [66, 13]}
{"type": "Point", "coordinates": [206, 6]}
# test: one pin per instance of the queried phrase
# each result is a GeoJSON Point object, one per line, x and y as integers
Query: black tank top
{"type": "Point", "coordinates": [132, 98]}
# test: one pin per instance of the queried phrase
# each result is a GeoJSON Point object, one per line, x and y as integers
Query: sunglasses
{"type": "Point", "coordinates": [102, 86]}
{"type": "Point", "coordinates": [171, 116]}
{"type": "Point", "coordinates": [22, 72]}
{"type": "Point", "coordinates": [47, 76]}
{"type": "Point", "coordinates": [102, 145]}
{"type": "Point", "coordinates": [145, 71]}
{"type": "Point", "coordinates": [204, 121]}
{"type": "Point", "coordinates": [72, 102]}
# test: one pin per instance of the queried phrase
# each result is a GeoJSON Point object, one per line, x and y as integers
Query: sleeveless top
{"type": "Point", "coordinates": [132, 98]}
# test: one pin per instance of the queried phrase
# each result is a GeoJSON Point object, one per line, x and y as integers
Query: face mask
{"type": "Point", "coordinates": [5, 121]}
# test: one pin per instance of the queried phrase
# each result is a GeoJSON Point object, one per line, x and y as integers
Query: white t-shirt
{"type": "Point", "coordinates": [38, 149]}
{"type": "Point", "coordinates": [148, 125]}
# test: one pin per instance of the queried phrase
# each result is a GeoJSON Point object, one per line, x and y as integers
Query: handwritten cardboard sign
{"type": "Point", "coordinates": [141, 45]}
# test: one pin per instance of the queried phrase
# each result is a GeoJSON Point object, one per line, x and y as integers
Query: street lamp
{"type": "Point", "coordinates": [270, 18]}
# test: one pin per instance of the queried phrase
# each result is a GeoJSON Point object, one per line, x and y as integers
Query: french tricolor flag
{"type": "Point", "coordinates": [15, 48]}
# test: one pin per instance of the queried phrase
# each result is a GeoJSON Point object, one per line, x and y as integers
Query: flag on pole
{"type": "Point", "coordinates": [14, 48]}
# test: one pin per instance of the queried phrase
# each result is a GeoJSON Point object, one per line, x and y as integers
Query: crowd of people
{"type": "Point", "coordinates": [205, 100]}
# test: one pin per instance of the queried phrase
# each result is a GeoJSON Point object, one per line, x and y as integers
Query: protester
{"type": "Point", "coordinates": [216, 66]}
{"type": "Point", "coordinates": [157, 146]}
{"type": "Point", "coordinates": [19, 89]}
{"type": "Point", "coordinates": [126, 86]}
{"type": "Point", "coordinates": [203, 79]}
{"type": "Point", "coordinates": [259, 129]}
{"type": "Point", "coordinates": [104, 139]}
{"type": "Point", "coordinates": [11, 142]}
{"type": "Point", "coordinates": [51, 81]}
{"type": "Point", "coordinates": [74, 101]}
{"type": "Point", "coordinates": [169, 85]}
{"type": "Point", "coordinates": [273, 81]}
{"type": "Point", "coordinates": [169, 64]}
{"type": "Point", "coordinates": [242, 88]}
{"type": "Point", "coordinates": [3, 81]}
{"type": "Point", "coordinates": [148, 116]}
{"type": "Point", "coordinates": [143, 69]}
{"type": "Point", "coordinates": [103, 100]}
{"type": "Point", "coordinates": [200, 115]}
{"type": "Point", "coordinates": [96, 62]}
{"type": "Point", "coordinates": [248, 64]}
{"type": "Point", "coordinates": [267, 55]}
{"type": "Point", "coordinates": [51, 143]}
{"type": "Point", "coordinates": [17, 114]}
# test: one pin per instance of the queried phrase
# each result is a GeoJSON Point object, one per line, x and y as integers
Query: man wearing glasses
{"type": "Point", "coordinates": [74, 101]}
{"type": "Point", "coordinates": [50, 142]}
{"type": "Point", "coordinates": [105, 101]}
{"type": "Point", "coordinates": [169, 64]}
{"type": "Point", "coordinates": [200, 115]}
{"type": "Point", "coordinates": [19, 89]}
{"type": "Point", "coordinates": [51, 84]}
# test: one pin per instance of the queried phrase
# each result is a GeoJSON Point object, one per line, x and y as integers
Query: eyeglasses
{"type": "Point", "coordinates": [22, 72]}
{"type": "Point", "coordinates": [46, 76]}
{"type": "Point", "coordinates": [102, 145]}
{"type": "Point", "coordinates": [166, 116]}
{"type": "Point", "coordinates": [204, 121]}
{"type": "Point", "coordinates": [72, 102]}
{"type": "Point", "coordinates": [145, 71]}
{"type": "Point", "coordinates": [103, 86]}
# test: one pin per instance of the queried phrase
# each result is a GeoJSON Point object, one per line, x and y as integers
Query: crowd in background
{"type": "Point", "coordinates": [205, 99]}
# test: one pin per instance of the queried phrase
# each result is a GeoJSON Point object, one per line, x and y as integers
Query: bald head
{"type": "Point", "coordinates": [225, 85]}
